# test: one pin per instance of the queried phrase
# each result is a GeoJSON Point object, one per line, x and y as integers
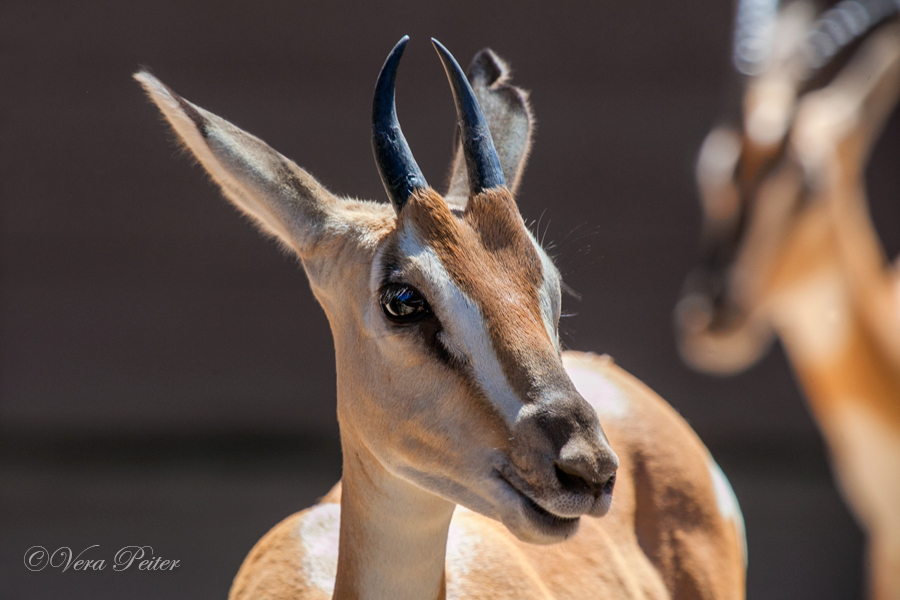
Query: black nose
{"type": "Point", "coordinates": [584, 473]}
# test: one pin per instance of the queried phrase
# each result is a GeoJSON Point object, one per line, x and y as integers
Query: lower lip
{"type": "Point", "coordinates": [548, 519]}
{"type": "Point", "coordinates": [541, 517]}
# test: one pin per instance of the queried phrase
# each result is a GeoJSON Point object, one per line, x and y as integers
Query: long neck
{"type": "Point", "coordinates": [832, 349]}
{"type": "Point", "coordinates": [393, 536]}
{"type": "Point", "coordinates": [827, 332]}
{"type": "Point", "coordinates": [873, 284]}
{"type": "Point", "coordinates": [852, 382]}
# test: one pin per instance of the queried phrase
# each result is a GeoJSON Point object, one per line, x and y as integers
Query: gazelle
{"type": "Point", "coordinates": [468, 436]}
{"type": "Point", "coordinates": [791, 248]}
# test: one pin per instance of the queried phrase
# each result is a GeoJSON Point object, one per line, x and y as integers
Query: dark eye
{"type": "Point", "coordinates": [403, 303]}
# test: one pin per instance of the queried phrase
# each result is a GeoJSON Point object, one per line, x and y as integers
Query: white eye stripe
{"type": "Point", "coordinates": [452, 349]}
{"type": "Point", "coordinates": [465, 332]}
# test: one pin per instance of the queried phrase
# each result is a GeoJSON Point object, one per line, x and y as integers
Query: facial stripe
{"type": "Point", "coordinates": [492, 260]}
{"type": "Point", "coordinates": [388, 267]}
{"type": "Point", "coordinates": [465, 334]}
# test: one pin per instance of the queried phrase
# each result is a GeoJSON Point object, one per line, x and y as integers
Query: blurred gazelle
{"type": "Point", "coordinates": [453, 390]}
{"type": "Point", "coordinates": [791, 247]}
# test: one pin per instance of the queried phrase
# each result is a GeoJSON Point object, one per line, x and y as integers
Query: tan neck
{"type": "Point", "coordinates": [393, 536]}
{"type": "Point", "coordinates": [835, 132]}
{"type": "Point", "coordinates": [871, 281]}
{"type": "Point", "coordinates": [852, 383]}
{"type": "Point", "coordinates": [827, 332]}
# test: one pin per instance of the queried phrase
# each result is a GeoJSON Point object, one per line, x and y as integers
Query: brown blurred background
{"type": "Point", "coordinates": [166, 377]}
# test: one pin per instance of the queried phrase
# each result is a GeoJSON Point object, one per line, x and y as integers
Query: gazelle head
{"type": "Point", "coordinates": [444, 310]}
{"type": "Point", "coordinates": [768, 228]}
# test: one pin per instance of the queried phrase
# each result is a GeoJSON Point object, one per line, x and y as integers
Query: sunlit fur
{"type": "Point", "coordinates": [664, 537]}
{"type": "Point", "coordinates": [811, 268]}
{"type": "Point", "coordinates": [465, 440]}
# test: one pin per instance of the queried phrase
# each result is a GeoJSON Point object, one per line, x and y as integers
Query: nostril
{"type": "Point", "coordinates": [571, 480]}
{"type": "Point", "coordinates": [609, 485]}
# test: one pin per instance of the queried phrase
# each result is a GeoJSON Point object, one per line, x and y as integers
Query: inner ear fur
{"type": "Point", "coordinates": [509, 118]}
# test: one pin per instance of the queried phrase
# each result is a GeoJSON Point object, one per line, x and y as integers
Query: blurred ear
{"type": "Point", "coordinates": [509, 118]}
{"type": "Point", "coordinates": [281, 198]}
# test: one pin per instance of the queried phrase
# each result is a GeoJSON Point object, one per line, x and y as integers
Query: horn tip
{"type": "Point", "coordinates": [446, 57]}
{"type": "Point", "coordinates": [401, 45]}
{"type": "Point", "coordinates": [439, 47]}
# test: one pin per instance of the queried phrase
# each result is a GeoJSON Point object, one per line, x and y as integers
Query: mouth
{"type": "Point", "coordinates": [546, 522]}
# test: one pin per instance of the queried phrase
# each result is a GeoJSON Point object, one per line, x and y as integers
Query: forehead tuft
{"type": "Point", "coordinates": [488, 241]}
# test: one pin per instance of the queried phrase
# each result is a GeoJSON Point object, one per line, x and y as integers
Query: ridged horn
{"type": "Point", "coordinates": [482, 163]}
{"type": "Point", "coordinates": [399, 172]}
{"type": "Point", "coordinates": [843, 24]}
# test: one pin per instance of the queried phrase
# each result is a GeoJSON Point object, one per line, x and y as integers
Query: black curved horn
{"type": "Point", "coordinates": [399, 172]}
{"type": "Point", "coordinates": [482, 163]}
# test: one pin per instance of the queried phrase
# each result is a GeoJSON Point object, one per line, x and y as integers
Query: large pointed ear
{"type": "Point", "coordinates": [509, 118]}
{"type": "Point", "coordinates": [281, 198]}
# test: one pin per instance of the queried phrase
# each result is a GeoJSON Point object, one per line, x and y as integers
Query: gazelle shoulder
{"type": "Point", "coordinates": [296, 559]}
{"type": "Point", "coordinates": [664, 455]}
{"type": "Point", "coordinates": [641, 424]}
{"type": "Point", "coordinates": [485, 561]}
{"type": "Point", "coordinates": [619, 396]}
{"type": "Point", "coordinates": [615, 394]}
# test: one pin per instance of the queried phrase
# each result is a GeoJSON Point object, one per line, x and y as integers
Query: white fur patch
{"type": "Point", "coordinates": [319, 534]}
{"type": "Point", "coordinates": [462, 553]}
{"type": "Point", "coordinates": [727, 503]}
{"type": "Point", "coordinates": [465, 555]}
{"type": "Point", "coordinates": [465, 333]}
{"type": "Point", "coordinates": [607, 399]}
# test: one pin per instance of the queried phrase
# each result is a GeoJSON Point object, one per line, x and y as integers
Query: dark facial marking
{"type": "Point", "coordinates": [490, 256]}
{"type": "Point", "coordinates": [427, 328]}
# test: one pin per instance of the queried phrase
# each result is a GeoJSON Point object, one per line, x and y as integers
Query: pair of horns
{"type": "Point", "coordinates": [400, 174]}
{"type": "Point", "coordinates": [836, 29]}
